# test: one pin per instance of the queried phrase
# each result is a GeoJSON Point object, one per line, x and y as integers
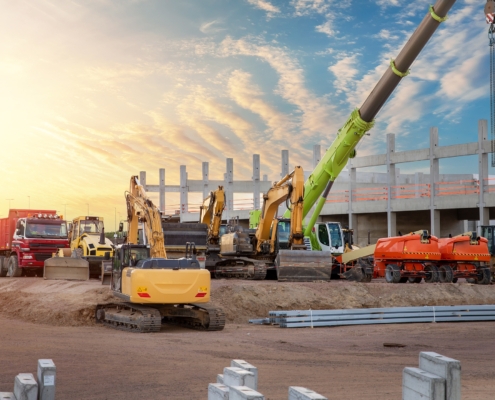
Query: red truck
{"type": "Point", "coordinates": [28, 238]}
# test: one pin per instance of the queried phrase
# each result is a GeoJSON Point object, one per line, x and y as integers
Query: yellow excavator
{"type": "Point", "coordinates": [222, 266]}
{"type": "Point", "coordinates": [279, 242]}
{"type": "Point", "coordinates": [156, 289]}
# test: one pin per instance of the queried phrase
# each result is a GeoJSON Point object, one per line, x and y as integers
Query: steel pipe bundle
{"type": "Point", "coordinates": [393, 315]}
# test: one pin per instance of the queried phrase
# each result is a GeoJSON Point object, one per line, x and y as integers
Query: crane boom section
{"type": "Point", "coordinates": [140, 207]}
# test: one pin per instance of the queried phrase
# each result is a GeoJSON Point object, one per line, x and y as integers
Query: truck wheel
{"type": "Point", "coordinates": [392, 273]}
{"type": "Point", "coordinates": [484, 275]}
{"type": "Point", "coordinates": [445, 274]}
{"type": "Point", "coordinates": [14, 270]}
{"type": "Point", "coordinates": [3, 266]}
{"type": "Point", "coordinates": [431, 274]}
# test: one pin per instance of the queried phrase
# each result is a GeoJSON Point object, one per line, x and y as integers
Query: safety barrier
{"type": "Point", "coordinates": [27, 388]}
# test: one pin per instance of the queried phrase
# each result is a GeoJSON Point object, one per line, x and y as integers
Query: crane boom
{"type": "Point", "coordinates": [362, 120]}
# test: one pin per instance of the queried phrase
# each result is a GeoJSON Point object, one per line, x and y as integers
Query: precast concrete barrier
{"type": "Point", "coordinates": [234, 376]}
{"type": "Point", "coordinates": [445, 367]}
{"type": "Point", "coordinates": [46, 379]}
{"type": "Point", "coordinates": [244, 393]}
{"type": "Point", "coordinates": [301, 393]}
{"type": "Point", "coordinates": [418, 384]}
{"type": "Point", "coordinates": [25, 387]}
{"type": "Point", "coordinates": [248, 367]}
{"type": "Point", "coordinates": [217, 391]}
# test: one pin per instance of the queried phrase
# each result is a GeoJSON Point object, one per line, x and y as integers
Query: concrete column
{"type": "Point", "coordinates": [434, 178]}
{"type": "Point", "coordinates": [162, 189]}
{"type": "Point", "coordinates": [446, 368]}
{"type": "Point", "coordinates": [183, 191]}
{"type": "Point", "coordinates": [206, 180]}
{"type": "Point", "coordinates": [301, 393]}
{"type": "Point", "coordinates": [316, 155]}
{"type": "Point", "coordinates": [391, 181]}
{"type": "Point", "coordinates": [46, 379]}
{"type": "Point", "coordinates": [418, 384]}
{"type": "Point", "coordinates": [483, 172]}
{"type": "Point", "coordinates": [352, 185]}
{"type": "Point", "coordinates": [418, 180]}
{"type": "Point", "coordinates": [256, 181]}
{"type": "Point", "coordinates": [265, 178]}
{"type": "Point", "coordinates": [25, 387]}
{"type": "Point", "coordinates": [285, 163]}
{"type": "Point", "coordinates": [229, 188]}
{"type": "Point", "coordinates": [234, 376]}
{"type": "Point", "coordinates": [142, 179]}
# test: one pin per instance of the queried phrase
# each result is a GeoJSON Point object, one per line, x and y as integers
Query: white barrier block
{"type": "Point", "coordinates": [25, 387]}
{"type": "Point", "coordinates": [7, 396]}
{"type": "Point", "coordinates": [244, 393]}
{"type": "Point", "coordinates": [233, 376]}
{"type": "Point", "coordinates": [217, 391]}
{"type": "Point", "coordinates": [248, 367]}
{"type": "Point", "coordinates": [301, 393]}
{"type": "Point", "coordinates": [421, 385]}
{"type": "Point", "coordinates": [46, 379]}
{"type": "Point", "coordinates": [445, 367]}
{"type": "Point", "coordinates": [220, 379]}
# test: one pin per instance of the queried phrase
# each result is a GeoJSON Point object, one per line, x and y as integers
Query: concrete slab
{"type": "Point", "coordinates": [25, 387]}
{"type": "Point", "coordinates": [421, 385]}
{"type": "Point", "coordinates": [244, 393]}
{"type": "Point", "coordinates": [7, 396]}
{"type": "Point", "coordinates": [220, 378]}
{"type": "Point", "coordinates": [301, 393]}
{"type": "Point", "coordinates": [445, 367]}
{"type": "Point", "coordinates": [46, 379]}
{"type": "Point", "coordinates": [217, 391]}
{"type": "Point", "coordinates": [233, 376]}
{"type": "Point", "coordinates": [248, 367]}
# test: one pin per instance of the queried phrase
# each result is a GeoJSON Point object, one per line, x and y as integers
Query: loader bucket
{"type": "Point", "coordinates": [303, 265]}
{"type": "Point", "coordinates": [67, 268]}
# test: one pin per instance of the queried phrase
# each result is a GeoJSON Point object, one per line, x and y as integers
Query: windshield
{"type": "Point", "coordinates": [135, 255]}
{"type": "Point", "coordinates": [90, 226]}
{"type": "Point", "coordinates": [53, 230]}
{"type": "Point", "coordinates": [283, 233]}
{"type": "Point", "coordinates": [335, 236]}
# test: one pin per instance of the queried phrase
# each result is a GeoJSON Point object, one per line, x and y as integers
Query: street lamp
{"type": "Point", "coordinates": [9, 200]}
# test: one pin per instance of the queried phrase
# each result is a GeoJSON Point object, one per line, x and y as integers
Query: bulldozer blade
{"type": "Point", "coordinates": [303, 265]}
{"type": "Point", "coordinates": [66, 268]}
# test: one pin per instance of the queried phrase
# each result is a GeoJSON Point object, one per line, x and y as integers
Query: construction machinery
{"type": "Point", "coordinates": [464, 256]}
{"type": "Point", "coordinates": [319, 183]}
{"type": "Point", "coordinates": [223, 265]}
{"type": "Point", "coordinates": [156, 289]}
{"type": "Point", "coordinates": [279, 242]}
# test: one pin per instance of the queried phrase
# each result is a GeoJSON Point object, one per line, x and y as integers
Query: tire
{"type": "Point", "coordinates": [14, 270]}
{"type": "Point", "coordinates": [445, 274]}
{"type": "Point", "coordinates": [3, 266]}
{"type": "Point", "coordinates": [415, 280]}
{"type": "Point", "coordinates": [392, 273]}
{"type": "Point", "coordinates": [431, 274]}
{"type": "Point", "coordinates": [484, 275]}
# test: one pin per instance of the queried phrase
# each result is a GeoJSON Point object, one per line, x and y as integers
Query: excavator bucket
{"type": "Point", "coordinates": [304, 265]}
{"type": "Point", "coordinates": [66, 268]}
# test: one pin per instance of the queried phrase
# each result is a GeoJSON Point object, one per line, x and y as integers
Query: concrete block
{"type": "Point", "coordinates": [220, 378]}
{"type": "Point", "coordinates": [301, 393]}
{"type": "Point", "coordinates": [445, 367]}
{"type": "Point", "coordinates": [7, 396]}
{"type": "Point", "coordinates": [248, 367]}
{"type": "Point", "coordinates": [217, 391]}
{"type": "Point", "coordinates": [421, 385]}
{"type": "Point", "coordinates": [46, 379]}
{"type": "Point", "coordinates": [233, 376]}
{"type": "Point", "coordinates": [25, 387]}
{"type": "Point", "coordinates": [244, 393]}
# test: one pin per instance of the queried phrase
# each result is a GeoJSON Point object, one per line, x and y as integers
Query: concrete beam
{"type": "Point", "coordinates": [183, 190]}
{"type": "Point", "coordinates": [256, 181]}
{"type": "Point", "coordinates": [445, 367]}
{"type": "Point", "coordinates": [217, 391]}
{"type": "Point", "coordinates": [285, 163]}
{"type": "Point", "coordinates": [46, 378]}
{"type": "Point", "coordinates": [244, 393]}
{"type": "Point", "coordinates": [421, 385]}
{"type": "Point", "coordinates": [248, 367]}
{"type": "Point", "coordinates": [25, 387]}
{"type": "Point", "coordinates": [206, 179]}
{"type": "Point", "coordinates": [234, 376]}
{"type": "Point", "coordinates": [301, 393]}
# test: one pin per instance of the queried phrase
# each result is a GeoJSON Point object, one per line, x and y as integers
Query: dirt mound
{"type": "Point", "coordinates": [66, 303]}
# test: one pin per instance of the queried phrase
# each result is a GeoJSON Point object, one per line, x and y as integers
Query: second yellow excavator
{"type": "Point", "coordinates": [156, 289]}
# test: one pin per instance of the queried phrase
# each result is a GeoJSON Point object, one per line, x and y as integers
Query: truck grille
{"type": "Point", "coordinates": [42, 256]}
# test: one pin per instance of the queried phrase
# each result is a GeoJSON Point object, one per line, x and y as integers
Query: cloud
{"type": "Point", "coordinates": [307, 7]}
{"type": "Point", "coordinates": [211, 27]}
{"type": "Point", "coordinates": [345, 72]}
{"type": "Point", "coordinates": [385, 34]}
{"type": "Point", "coordinates": [326, 28]}
{"type": "Point", "coordinates": [265, 6]}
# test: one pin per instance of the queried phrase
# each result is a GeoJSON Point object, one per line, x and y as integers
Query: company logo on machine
{"type": "Point", "coordinates": [489, 18]}
{"type": "Point", "coordinates": [202, 291]}
{"type": "Point", "coordinates": [142, 291]}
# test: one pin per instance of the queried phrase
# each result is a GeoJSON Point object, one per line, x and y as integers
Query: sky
{"type": "Point", "coordinates": [94, 91]}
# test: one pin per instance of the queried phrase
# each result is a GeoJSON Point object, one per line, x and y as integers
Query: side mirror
{"type": "Point", "coordinates": [121, 226]}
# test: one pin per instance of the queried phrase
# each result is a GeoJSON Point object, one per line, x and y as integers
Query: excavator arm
{"type": "Point", "coordinates": [210, 213]}
{"type": "Point", "coordinates": [141, 208]}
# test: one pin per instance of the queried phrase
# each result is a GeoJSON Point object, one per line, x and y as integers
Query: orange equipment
{"type": "Point", "coordinates": [410, 257]}
{"type": "Point", "coordinates": [464, 256]}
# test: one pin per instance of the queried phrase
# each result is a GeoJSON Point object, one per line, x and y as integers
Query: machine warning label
{"type": "Point", "coordinates": [203, 289]}
{"type": "Point", "coordinates": [142, 289]}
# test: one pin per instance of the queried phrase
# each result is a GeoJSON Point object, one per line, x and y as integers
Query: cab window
{"type": "Point", "coordinates": [323, 235]}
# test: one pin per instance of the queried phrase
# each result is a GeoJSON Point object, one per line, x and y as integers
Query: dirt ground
{"type": "Point", "coordinates": [53, 319]}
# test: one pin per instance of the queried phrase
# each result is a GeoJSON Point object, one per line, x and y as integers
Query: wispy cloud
{"type": "Point", "coordinates": [265, 6]}
{"type": "Point", "coordinates": [211, 27]}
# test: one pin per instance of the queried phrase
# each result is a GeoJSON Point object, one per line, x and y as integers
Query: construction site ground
{"type": "Point", "coordinates": [54, 319]}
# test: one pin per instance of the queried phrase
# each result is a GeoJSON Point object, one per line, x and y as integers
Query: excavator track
{"type": "Point", "coordinates": [240, 268]}
{"type": "Point", "coordinates": [194, 316]}
{"type": "Point", "coordinates": [129, 317]}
